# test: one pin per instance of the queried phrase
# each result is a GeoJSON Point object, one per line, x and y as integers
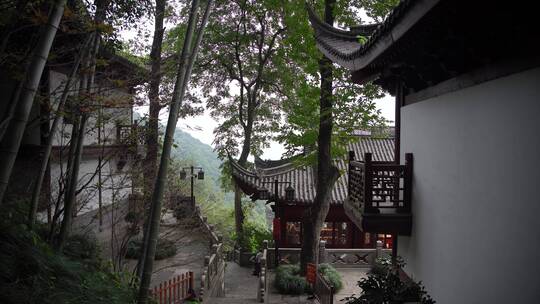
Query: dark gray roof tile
{"type": "Point", "coordinates": [303, 178]}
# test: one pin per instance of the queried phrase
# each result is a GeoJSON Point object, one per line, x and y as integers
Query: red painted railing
{"type": "Point", "coordinates": [173, 291]}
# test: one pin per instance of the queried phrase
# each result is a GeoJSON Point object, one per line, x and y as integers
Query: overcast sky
{"type": "Point", "coordinates": [202, 127]}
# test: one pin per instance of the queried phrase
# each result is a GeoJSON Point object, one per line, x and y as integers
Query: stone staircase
{"type": "Point", "coordinates": [240, 286]}
{"type": "Point", "coordinates": [228, 300]}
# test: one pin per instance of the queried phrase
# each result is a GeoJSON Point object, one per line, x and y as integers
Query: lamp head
{"type": "Point", "coordinates": [289, 193]}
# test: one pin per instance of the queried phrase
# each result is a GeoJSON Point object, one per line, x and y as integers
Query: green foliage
{"type": "Point", "coordinates": [81, 247]}
{"type": "Point", "coordinates": [255, 232]}
{"type": "Point", "coordinates": [193, 151]}
{"type": "Point", "coordinates": [165, 249]}
{"type": "Point", "coordinates": [31, 272]}
{"type": "Point", "coordinates": [331, 275]}
{"type": "Point", "coordinates": [133, 217]}
{"type": "Point", "coordinates": [376, 9]}
{"type": "Point", "coordinates": [353, 105]}
{"type": "Point", "coordinates": [215, 203]}
{"type": "Point", "coordinates": [384, 285]}
{"type": "Point", "coordinates": [238, 73]}
{"type": "Point", "coordinates": [289, 281]}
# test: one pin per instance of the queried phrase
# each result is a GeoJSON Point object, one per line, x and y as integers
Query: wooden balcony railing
{"type": "Point", "coordinates": [129, 135]}
{"type": "Point", "coordinates": [376, 186]}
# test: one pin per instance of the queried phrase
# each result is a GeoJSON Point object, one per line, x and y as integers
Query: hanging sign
{"type": "Point", "coordinates": [311, 273]}
{"type": "Point", "coordinates": [276, 229]}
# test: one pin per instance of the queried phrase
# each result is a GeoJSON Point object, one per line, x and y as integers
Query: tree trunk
{"type": "Point", "coordinates": [86, 90]}
{"type": "Point", "coordinates": [242, 160]}
{"type": "Point", "coordinates": [182, 77]}
{"type": "Point", "coordinates": [48, 147]}
{"type": "Point", "coordinates": [327, 173]}
{"type": "Point", "coordinates": [152, 132]}
{"type": "Point", "coordinates": [153, 96]}
{"type": "Point", "coordinates": [238, 214]}
{"type": "Point", "coordinates": [70, 195]}
{"type": "Point", "coordinates": [12, 141]}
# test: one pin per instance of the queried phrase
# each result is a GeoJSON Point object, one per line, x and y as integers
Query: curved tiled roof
{"type": "Point", "coordinates": [303, 178]}
{"type": "Point", "coordinates": [344, 47]}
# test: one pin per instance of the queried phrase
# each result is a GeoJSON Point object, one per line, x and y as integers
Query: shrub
{"type": "Point", "coordinates": [31, 272]}
{"type": "Point", "coordinates": [165, 249]}
{"type": "Point", "coordinates": [384, 285]}
{"type": "Point", "coordinates": [81, 247]}
{"type": "Point", "coordinates": [331, 275]}
{"type": "Point", "coordinates": [289, 281]}
{"type": "Point", "coordinates": [133, 217]}
{"type": "Point", "coordinates": [254, 235]}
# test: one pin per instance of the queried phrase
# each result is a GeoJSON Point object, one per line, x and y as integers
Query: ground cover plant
{"type": "Point", "coordinates": [164, 249]}
{"type": "Point", "coordinates": [32, 272]}
{"type": "Point", "coordinates": [289, 281]}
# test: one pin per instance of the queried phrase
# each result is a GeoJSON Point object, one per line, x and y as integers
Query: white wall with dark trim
{"type": "Point", "coordinates": [476, 192]}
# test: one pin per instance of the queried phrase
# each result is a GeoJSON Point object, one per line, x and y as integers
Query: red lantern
{"type": "Point", "coordinates": [276, 229]}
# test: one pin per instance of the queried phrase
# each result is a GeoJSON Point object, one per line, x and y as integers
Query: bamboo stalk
{"type": "Point", "coordinates": [12, 140]}
{"type": "Point", "coordinates": [184, 71]}
{"type": "Point", "coordinates": [47, 152]}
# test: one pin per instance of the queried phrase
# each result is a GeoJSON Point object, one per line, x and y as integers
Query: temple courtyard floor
{"type": "Point", "coordinates": [241, 286]}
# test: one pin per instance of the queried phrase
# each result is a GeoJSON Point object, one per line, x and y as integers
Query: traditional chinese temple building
{"type": "Point", "coordinates": [296, 191]}
{"type": "Point", "coordinates": [466, 78]}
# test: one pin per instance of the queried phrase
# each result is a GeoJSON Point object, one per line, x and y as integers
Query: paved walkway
{"type": "Point", "coordinates": [241, 287]}
{"type": "Point", "coordinates": [191, 241]}
{"type": "Point", "coordinates": [350, 278]}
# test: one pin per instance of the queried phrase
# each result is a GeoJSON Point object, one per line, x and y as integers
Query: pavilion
{"type": "Point", "coordinates": [296, 190]}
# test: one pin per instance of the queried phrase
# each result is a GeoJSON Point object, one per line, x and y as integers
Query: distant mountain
{"type": "Point", "coordinates": [198, 153]}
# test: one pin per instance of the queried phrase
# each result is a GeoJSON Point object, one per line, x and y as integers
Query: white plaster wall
{"type": "Point", "coordinates": [116, 110]}
{"type": "Point", "coordinates": [476, 192]}
{"type": "Point", "coordinates": [116, 184]}
{"type": "Point", "coordinates": [114, 181]}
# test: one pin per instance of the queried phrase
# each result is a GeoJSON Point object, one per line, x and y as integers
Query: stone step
{"type": "Point", "coordinates": [231, 300]}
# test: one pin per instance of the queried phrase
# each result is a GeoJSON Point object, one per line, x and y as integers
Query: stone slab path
{"type": "Point", "coordinates": [350, 278]}
{"type": "Point", "coordinates": [241, 287]}
{"type": "Point", "coordinates": [191, 241]}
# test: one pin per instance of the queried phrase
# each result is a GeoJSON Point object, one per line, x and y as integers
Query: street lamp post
{"type": "Point", "coordinates": [199, 175]}
{"type": "Point", "coordinates": [289, 196]}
